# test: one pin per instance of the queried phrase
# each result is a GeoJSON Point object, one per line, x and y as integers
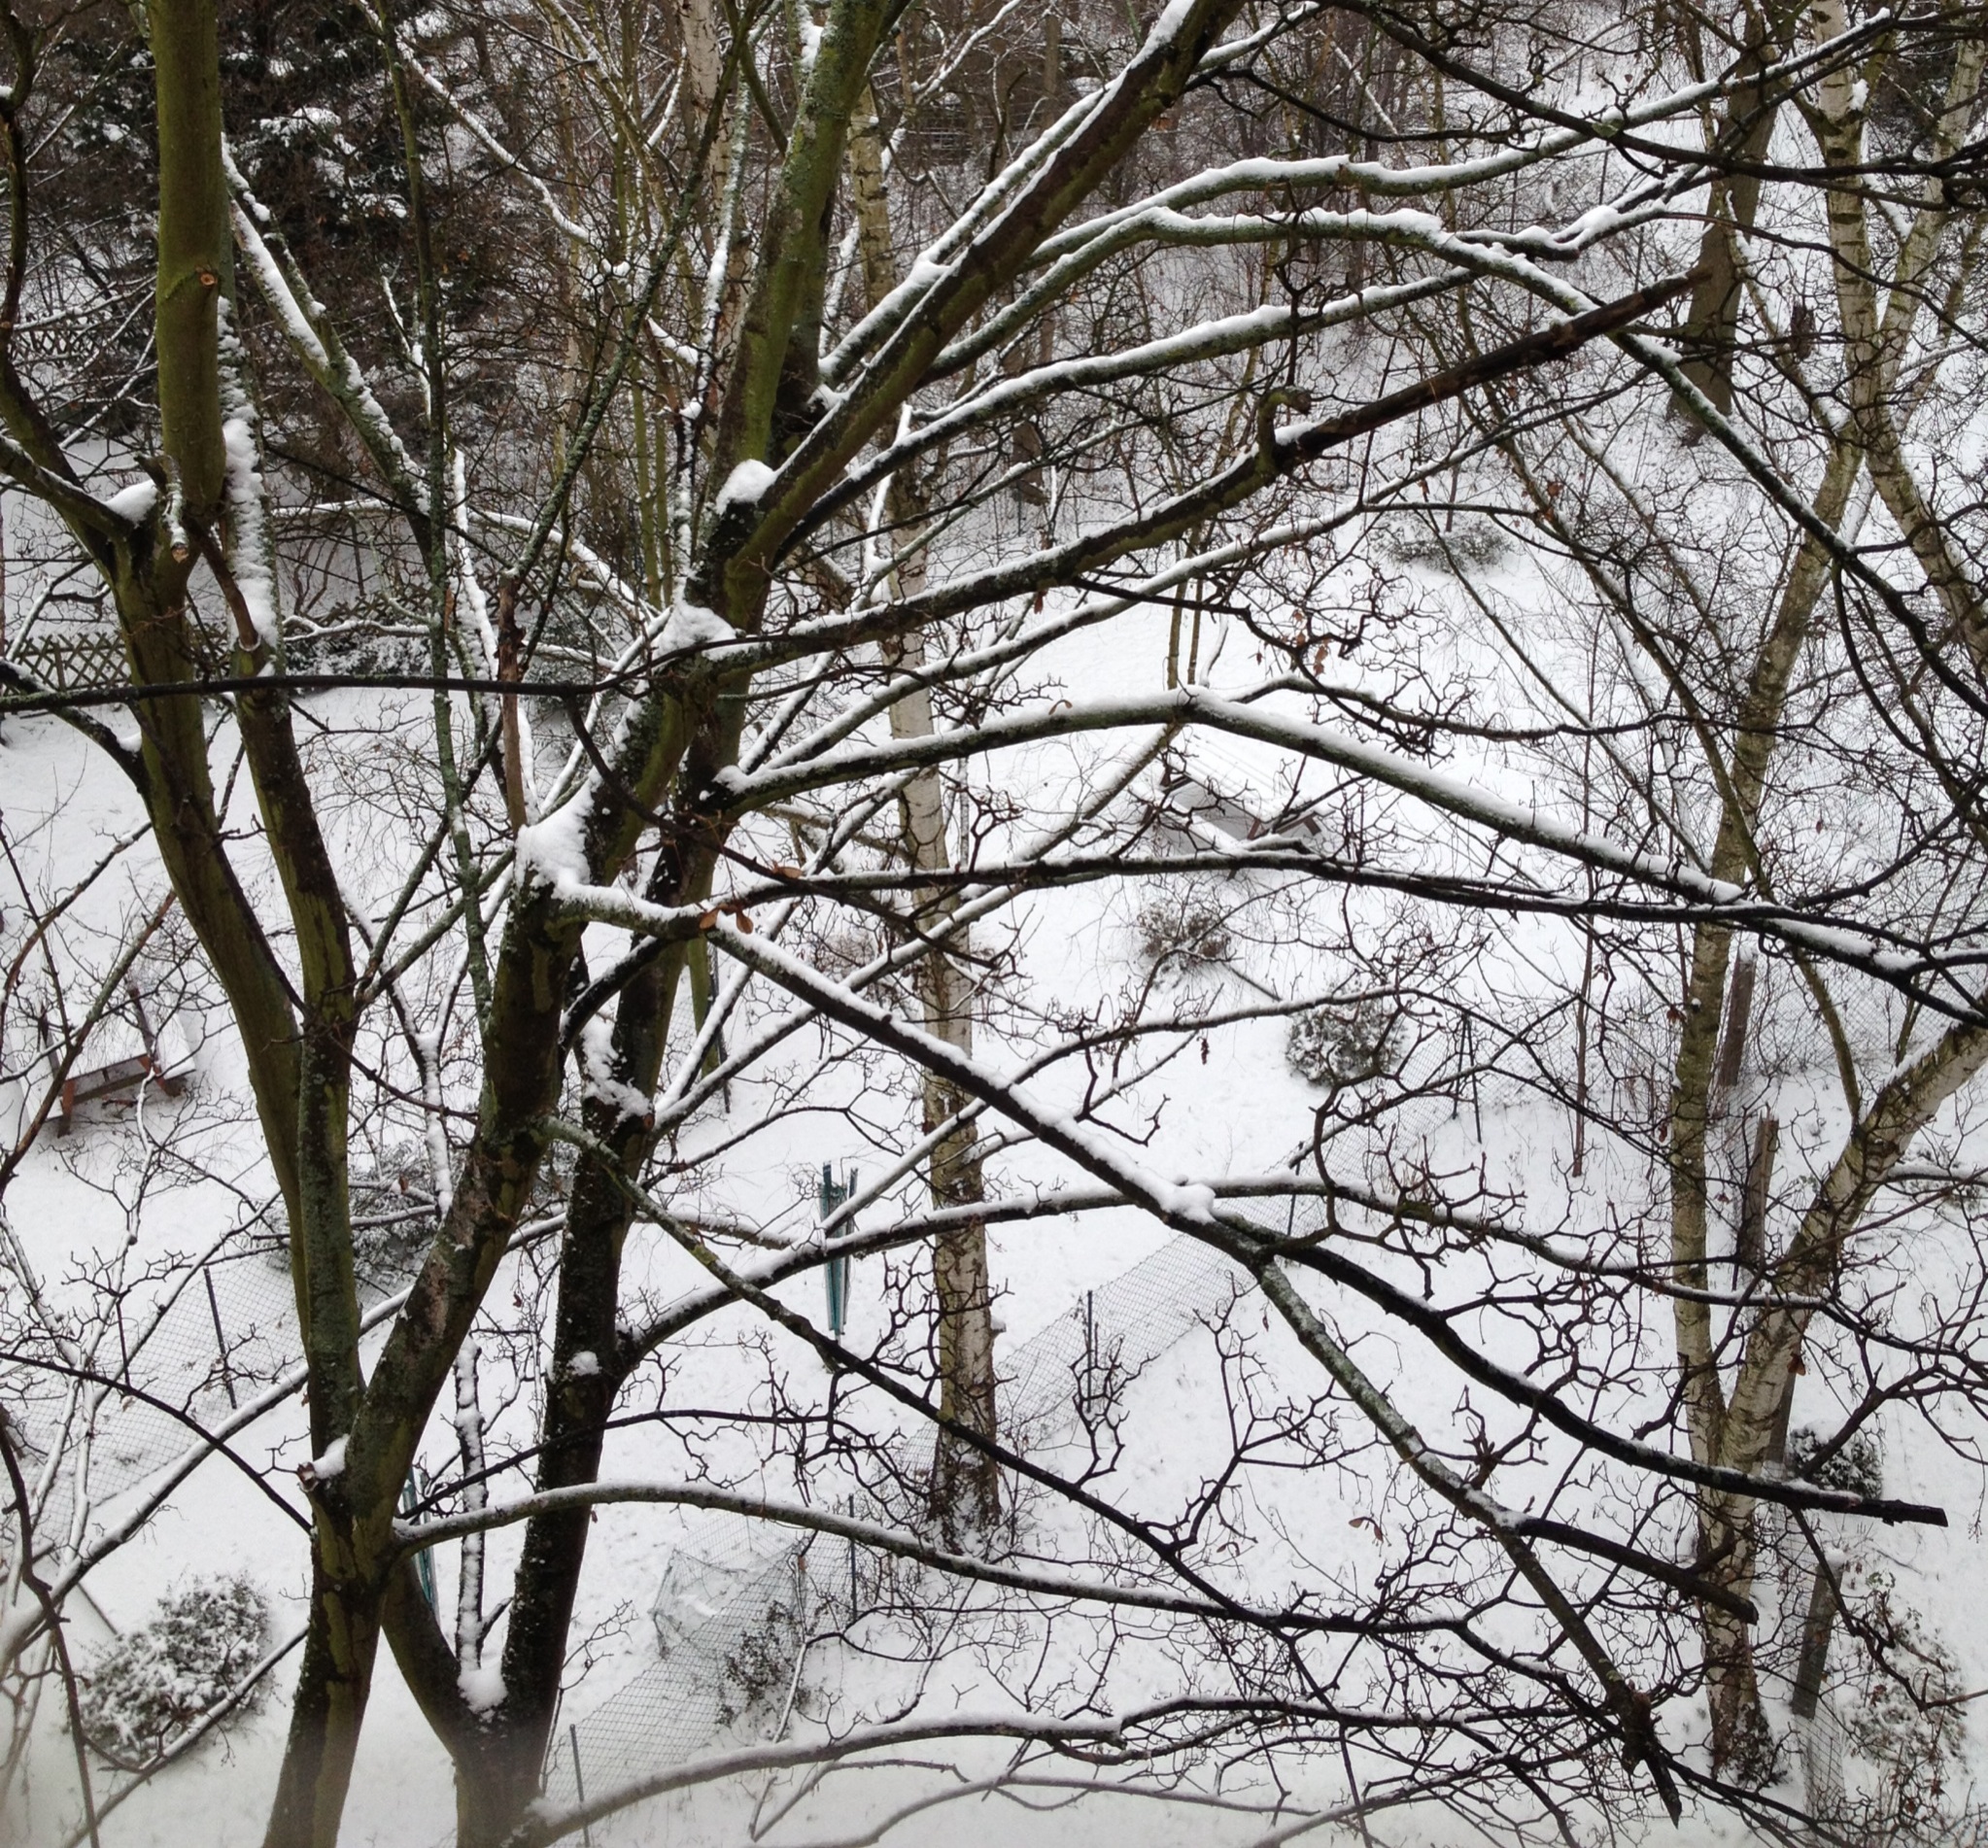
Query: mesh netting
{"type": "Point", "coordinates": [730, 1615]}
{"type": "Point", "coordinates": [1820, 1742]}
{"type": "Point", "coordinates": [736, 1603]}
{"type": "Point", "coordinates": [220, 1334]}
{"type": "Point", "coordinates": [1110, 1334]}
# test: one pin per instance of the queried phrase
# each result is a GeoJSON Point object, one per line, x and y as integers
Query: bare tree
{"type": "Point", "coordinates": [700, 495]}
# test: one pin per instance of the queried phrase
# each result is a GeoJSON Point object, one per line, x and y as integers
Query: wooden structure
{"type": "Point", "coordinates": [73, 661]}
{"type": "Point", "coordinates": [126, 1051]}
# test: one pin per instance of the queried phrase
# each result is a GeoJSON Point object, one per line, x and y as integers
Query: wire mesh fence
{"type": "Point", "coordinates": [738, 1601]}
{"type": "Point", "coordinates": [1108, 1335]}
{"type": "Point", "coordinates": [1820, 1741]}
{"type": "Point", "coordinates": [171, 1361]}
{"type": "Point", "coordinates": [730, 1615]}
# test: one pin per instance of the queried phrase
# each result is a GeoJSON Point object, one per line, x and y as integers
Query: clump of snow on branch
{"type": "Point", "coordinates": [248, 550]}
{"type": "Point", "coordinates": [134, 503]}
{"type": "Point", "coordinates": [330, 1466]}
{"type": "Point", "coordinates": [554, 851]}
{"type": "Point", "coordinates": [744, 485]}
{"type": "Point", "coordinates": [692, 628]}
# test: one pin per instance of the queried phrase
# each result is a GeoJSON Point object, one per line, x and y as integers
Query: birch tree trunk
{"type": "Point", "coordinates": [1741, 1430]}
{"type": "Point", "coordinates": [965, 1485]}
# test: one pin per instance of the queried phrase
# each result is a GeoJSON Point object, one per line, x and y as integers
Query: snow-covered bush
{"type": "Point", "coordinates": [1858, 1467]}
{"type": "Point", "coordinates": [149, 1686]}
{"type": "Point", "coordinates": [1346, 1042]}
{"type": "Point", "coordinates": [1475, 542]}
{"type": "Point", "coordinates": [1904, 1709]}
{"type": "Point", "coordinates": [1186, 927]}
{"type": "Point", "coordinates": [392, 1220]}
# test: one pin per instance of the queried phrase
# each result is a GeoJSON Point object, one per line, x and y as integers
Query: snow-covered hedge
{"type": "Point", "coordinates": [1338, 1044]}
{"type": "Point", "coordinates": [148, 1688]}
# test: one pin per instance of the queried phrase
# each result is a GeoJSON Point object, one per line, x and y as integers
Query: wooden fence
{"type": "Point", "coordinates": [73, 663]}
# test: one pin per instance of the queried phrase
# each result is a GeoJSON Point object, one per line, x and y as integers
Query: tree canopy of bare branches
{"type": "Point", "coordinates": [702, 698]}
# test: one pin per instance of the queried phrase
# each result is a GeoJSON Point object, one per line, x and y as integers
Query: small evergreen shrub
{"type": "Point", "coordinates": [1186, 927]}
{"type": "Point", "coordinates": [392, 1220]}
{"type": "Point", "coordinates": [1346, 1043]}
{"type": "Point", "coordinates": [1468, 542]}
{"type": "Point", "coordinates": [1858, 1468]}
{"type": "Point", "coordinates": [148, 1688]}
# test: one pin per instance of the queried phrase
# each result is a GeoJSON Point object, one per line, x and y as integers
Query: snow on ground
{"type": "Point", "coordinates": [1239, 1109]}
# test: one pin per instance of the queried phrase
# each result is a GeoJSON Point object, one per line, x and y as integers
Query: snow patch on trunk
{"type": "Point", "coordinates": [747, 483]}
{"type": "Point", "coordinates": [248, 551]}
{"type": "Point", "coordinates": [554, 851]}
{"type": "Point", "coordinates": [331, 1466]}
{"type": "Point", "coordinates": [135, 503]}
{"type": "Point", "coordinates": [483, 1687]}
{"type": "Point", "coordinates": [692, 628]}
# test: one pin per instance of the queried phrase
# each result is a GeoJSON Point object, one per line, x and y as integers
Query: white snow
{"type": "Point", "coordinates": [746, 483]}
{"type": "Point", "coordinates": [597, 1069]}
{"type": "Point", "coordinates": [248, 532]}
{"type": "Point", "coordinates": [1172, 17]}
{"type": "Point", "coordinates": [553, 850]}
{"type": "Point", "coordinates": [692, 628]}
{"type": "Point", "coordinates": [1193, 1199]}
{"type": "Point", "coordinates": [135, 503]}
{"type": "Point", "coordinates": [483, 1687]}
{"type": "Point", "coordinates": [331, 1466]}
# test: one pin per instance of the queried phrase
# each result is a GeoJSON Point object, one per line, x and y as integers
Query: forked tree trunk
{"type": "Point", "coordinates": [499, 1759]}
{"type": "Point", "coordinates": [1742, 1431]}
{"type": "Point", "coordinates": [326, 1710]}
{"type": "Point", "coordinates": [1712, 321]}
{"type": "Point", "coordinates": [1727, 1541]}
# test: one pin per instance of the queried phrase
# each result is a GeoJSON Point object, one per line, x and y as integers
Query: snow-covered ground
{"type": "Point", "coordinates": [1230, 1105]}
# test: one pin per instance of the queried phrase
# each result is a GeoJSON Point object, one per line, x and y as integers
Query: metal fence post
{"type": "Point", "coordinates": [836, 1273]}
{"type": "Point", "coordinates": [228, 1376]}
{"type": "Point", "coordinates": [579, 1783]}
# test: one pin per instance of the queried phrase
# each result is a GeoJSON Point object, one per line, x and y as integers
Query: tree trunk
{"type": "Point", "coordinates": [1712, 321]}
{"type": "Point", "coordinates": [1726, 1533]}
{"type": "Point", "coordinates": [330, 1699]}
{"type": "Point", "coordinates": [965, 1484]}
{"type": "Point", "coordinates": [965, 1493]}
{"type": "Point", "coordinates": [1742, 1433]}
{"type": "Point", "coordinates": [500, 1754]}
{"type": "Point", "coordinates": [1742, 1741]}
{"type": "Point", "coordinates": [500, 1776]}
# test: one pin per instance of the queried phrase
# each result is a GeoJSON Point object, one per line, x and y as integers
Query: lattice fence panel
{"type": "Point", "coordinates": [72, 663]}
